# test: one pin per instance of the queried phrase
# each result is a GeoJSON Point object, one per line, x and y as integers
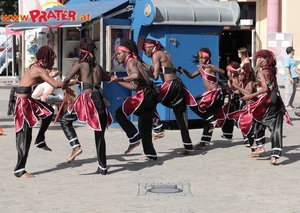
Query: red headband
{"type": "Point", "coordinates": [51, 58]}
{"type": "Point", "coordinates": [231, 69]}
{"type": "Point", "coordinates": [204, 55]}
{"type": "Point", "coordinates": [148, 45]}
{"type": "Point", "coordinates": [84, 51]}
{"type": "Point", "coordinates": [122, 48]}
{"type": "Point", "coordinates": [86, 54]}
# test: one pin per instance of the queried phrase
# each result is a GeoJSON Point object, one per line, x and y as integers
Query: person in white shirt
{"type": "Point", "coordinates": [45, 92]}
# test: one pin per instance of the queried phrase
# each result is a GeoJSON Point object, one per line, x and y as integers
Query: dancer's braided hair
{"type": "Point", "coordinates": [270, 61]}
{"type": "Point", "coordinates": [87, 51]}
{"type": "Point", "coordinates": [131, 45]}
{"type": "Point", "coordinates": [142, 40]}
{"type": "Point", "coordinates": [44, 54]}
{"type": "Point", "coordinates": [196, 57]}
{"type": "Point", "coordinates": [249, 72]}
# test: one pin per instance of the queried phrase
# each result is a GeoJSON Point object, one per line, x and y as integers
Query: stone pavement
{"type": "Point", "coordinates": [220, 179]}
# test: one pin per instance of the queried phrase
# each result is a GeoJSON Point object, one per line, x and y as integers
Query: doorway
{"type": "Point", "coordinates": [231, 41]}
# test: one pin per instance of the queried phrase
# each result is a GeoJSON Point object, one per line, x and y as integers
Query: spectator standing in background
{"type": "Point", "coordinates": [290, 78]}
{"type": "Point", "coordinates": [243, 55]}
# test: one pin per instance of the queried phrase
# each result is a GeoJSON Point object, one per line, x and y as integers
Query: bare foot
{"type": "Point", "coordinates": [27, 175]}
{"type": "Point", "coordinates": [46, 148]}
{"type": "Point", "coordinates": [131, 147]}
{"type": "Point", "coordinates": [76, 151]}
{"type": "Point", "coordinates": [200, 146]}
{"type": "Point", "coordinates": [260, 150]}
{"type": "Point", "coordinates": [144, 159]}
{"type": "Point", "coordinates": [212, 127]}
{"type": "Point", "coordinates": [254, 155]}
{"type": "Point", "coordinates": [157, 136]}
{"type": "Point", "coordinates": [273, 161]}
{"type": "Point", "coordinates": [186, 152]}
{"type": "Point", "coordinates": [224, 137]}
{"type": "Point", "coordinates": [254, 145]}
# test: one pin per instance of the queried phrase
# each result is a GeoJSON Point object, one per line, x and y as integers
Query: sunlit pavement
{"type": "Point", "coordinates": [219, 179]}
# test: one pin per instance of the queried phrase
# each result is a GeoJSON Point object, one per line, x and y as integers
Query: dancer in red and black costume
{"type": "Point", "coordinates": [90, 106]}
{"type": "Point", "coordinates": [246, 84]}
{"type": "Point", "coordinates": [241, 80]}
{"type": "Point", "coordinates": [269, 109]}
{"type": "Point", "coordinates": [173, 93]}
{"type": "Point", "coordinates": [142, 104]}
{"type": "Point", "coordinates": [28, 111]}
{"type": "Point", "coordinates": [232, 105]}
{"type": "Point", "coordinates": [210, 101]}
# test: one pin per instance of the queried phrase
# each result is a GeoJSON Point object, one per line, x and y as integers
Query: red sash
{"type": "Point", "coordinates": [87, 112]}
{"type": "Point", "coordinates": [30, 110]}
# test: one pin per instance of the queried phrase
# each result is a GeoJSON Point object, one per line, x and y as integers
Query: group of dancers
{"type": "Point", "coordinates": [254, 102]}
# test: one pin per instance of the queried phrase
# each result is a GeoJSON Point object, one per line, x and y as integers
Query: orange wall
{"type": "Point", "coordinates": [290, 22]}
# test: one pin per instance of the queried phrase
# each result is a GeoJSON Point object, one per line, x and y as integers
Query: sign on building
{"type": "Point", "coordinates": [277, 43]}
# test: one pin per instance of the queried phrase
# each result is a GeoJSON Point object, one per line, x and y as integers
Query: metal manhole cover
{"type": "Point", "coordinates": [164, 189]}
{"type": "Point", "coordinates": [156, 189]}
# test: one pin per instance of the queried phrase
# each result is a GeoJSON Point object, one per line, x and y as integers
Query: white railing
{"type": "Point", "coordinates": [8, 39]}
{"type": "Point", "coordinates": [6, 49]}
{"type": "Point", "coordinates": [5, 65]}
{"type": "Point", "coordinates": [8, 45]}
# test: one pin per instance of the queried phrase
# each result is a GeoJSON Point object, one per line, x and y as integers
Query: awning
{"type": "Point", "coordinates": [26, 25]}
{"type": "Point", "coordinates": [187, 12]}
{"type": "Point", "coordinates": [94, 9]}
{"type": "Point", "coordinates": [10, 32]}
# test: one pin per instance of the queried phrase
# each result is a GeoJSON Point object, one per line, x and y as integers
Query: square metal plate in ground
{"type": "Point", "coordinates": [174, 189]}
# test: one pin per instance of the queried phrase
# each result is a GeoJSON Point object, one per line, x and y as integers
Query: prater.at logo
{"type": "Point", "coordinates": [49, 15]}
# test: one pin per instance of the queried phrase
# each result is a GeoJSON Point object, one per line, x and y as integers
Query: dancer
{"type": "Point", "coordinates": [210, 101]}
{"type": "Point", "coordinates": [269, 109]}
{"type": "Point", "coordinates": [89, 106]}
{"type": "Point", "coordinates": [142, 104]}
{"type": "Point", "coordinates": [246, 84]}
{"type": "Point", "coordinates": [28, 111]}
{"type": "Point", "coordinates": [234, 103]}
{"type": "Point", "coordinates": [173, 92]}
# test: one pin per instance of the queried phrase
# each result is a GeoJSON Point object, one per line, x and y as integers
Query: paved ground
{"type": "Point", "coordinates": [221, 179]}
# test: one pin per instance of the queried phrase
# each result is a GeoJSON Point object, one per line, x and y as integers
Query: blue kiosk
{"type": "Point", "coordinates": [183, 27]}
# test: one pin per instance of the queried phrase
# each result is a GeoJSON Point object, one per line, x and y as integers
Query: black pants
{"type": "Point", "coordinates": [23, 141]}
{"type": "Point", "coordinates": [176, 101]}
{"type": "Point", "coordinates": [157, 125]}
{"type": "Point", "coordinates": [273, 120]}
{"type": "Point", "coordinates": [145, 113]}
{"type": "Point", "coordinates": [234, 104]}
{"type": "Point", "coordinates": [66, 123]}
{"type": "Point", "coordinates": [209, 116]}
